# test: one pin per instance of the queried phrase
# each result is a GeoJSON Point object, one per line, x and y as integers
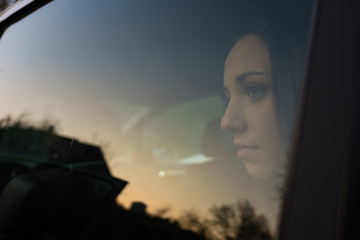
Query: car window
{"type": "Point", "coordinates": [179, 130]}
{"type": "Point", "coordinates": [192, 103]}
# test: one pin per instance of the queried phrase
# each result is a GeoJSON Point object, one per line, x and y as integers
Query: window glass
{"type": "Point", "coordinates": [179, 130]}
{"type": "Point", "coordinates": [192, 102]}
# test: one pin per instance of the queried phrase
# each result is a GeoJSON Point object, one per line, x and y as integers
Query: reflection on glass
{"type": "Point", "coordinates": [262, 75]}
{"type": "Point", "coordinates": [144, 82]}
{"type": "Point", "coordinates": [261, 81]}
{"type": "Point", "coordinates": [250, 113]}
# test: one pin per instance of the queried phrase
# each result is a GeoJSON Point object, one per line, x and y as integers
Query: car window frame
{"type": "Point", "coordinates": [318, 191]}
{"type": "Point", "coordinates": [21, 13]}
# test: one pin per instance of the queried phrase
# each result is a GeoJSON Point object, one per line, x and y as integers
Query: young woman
{"type": "Point", "coordinates": [262, 76]}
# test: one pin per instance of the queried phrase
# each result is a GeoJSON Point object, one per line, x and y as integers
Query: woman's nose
{"type": "Point", "coordinates": [233, 120]}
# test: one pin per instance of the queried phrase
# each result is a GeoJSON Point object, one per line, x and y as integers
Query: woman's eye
{"type": "Point", "coordinates": [255, 92]}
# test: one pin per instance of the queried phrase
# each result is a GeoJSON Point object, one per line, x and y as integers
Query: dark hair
{"type": "Point", "coordinates": [285, 31]}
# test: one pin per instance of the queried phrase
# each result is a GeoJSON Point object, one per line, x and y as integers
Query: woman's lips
{"type": "Point", "coordinates": [245, 151]}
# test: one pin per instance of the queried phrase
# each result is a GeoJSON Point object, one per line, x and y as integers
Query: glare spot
{"type": "Point", "coordinates": [161, 173]}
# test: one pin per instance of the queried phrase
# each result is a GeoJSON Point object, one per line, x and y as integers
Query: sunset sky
{"type": "Point", "coordinates": [91, 66]}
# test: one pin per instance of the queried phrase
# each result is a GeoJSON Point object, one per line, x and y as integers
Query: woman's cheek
{"type": "Point", "coordinates": [262, 119]}
{"type": "Point", "coordinates": [267, 133]}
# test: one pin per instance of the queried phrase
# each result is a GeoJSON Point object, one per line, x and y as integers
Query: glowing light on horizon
{"type": "Point", "coordinates": [162, 173]}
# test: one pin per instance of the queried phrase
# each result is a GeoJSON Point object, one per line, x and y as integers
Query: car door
{"type": "Point", "coordinates": [322, 196]}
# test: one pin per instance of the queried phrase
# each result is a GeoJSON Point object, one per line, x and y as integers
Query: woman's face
{"type": "Point", "coordinates": [250, 112]}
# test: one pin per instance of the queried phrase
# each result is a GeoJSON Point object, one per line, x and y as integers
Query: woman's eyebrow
{"type": "Point", "coordinates": [243, 76]}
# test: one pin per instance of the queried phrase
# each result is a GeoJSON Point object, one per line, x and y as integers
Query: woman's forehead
{"type": "Point", "coordinates": [248, 54]}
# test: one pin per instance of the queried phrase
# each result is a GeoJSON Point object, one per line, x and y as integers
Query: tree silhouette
{"type": "Point", "coordinates": [228, 222]}
{"type": "Point", "coordinates": [225, 220]}
{"type": "Point", "coordinates": [191, 220]}
{"type": "Point", "coordinates": [23, 121]}
{"type": "Point", "coordinates": [252, 226]}
{"type": "Point", "coordinates": [161, 212]}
